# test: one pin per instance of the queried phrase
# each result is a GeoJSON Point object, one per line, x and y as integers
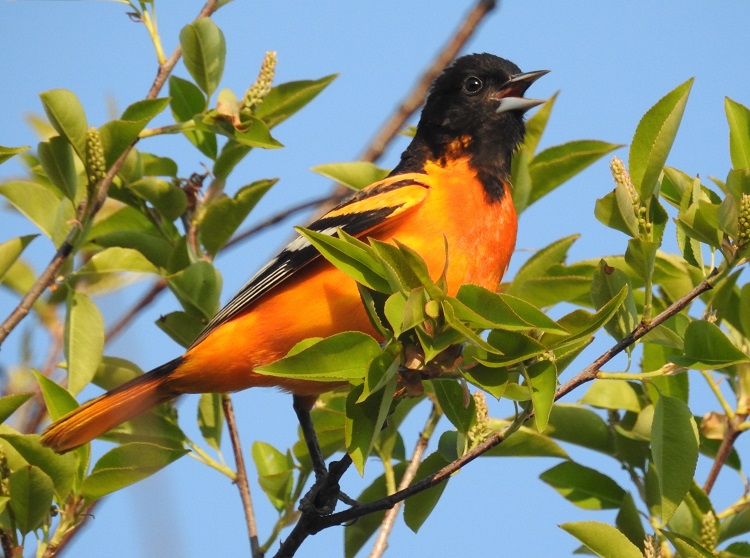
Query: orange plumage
{"type": "Point", "coordinates": [452, 183]}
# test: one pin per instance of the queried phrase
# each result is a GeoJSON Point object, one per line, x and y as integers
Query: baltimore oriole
{"type": "Point", "coordinates": [452, 182]}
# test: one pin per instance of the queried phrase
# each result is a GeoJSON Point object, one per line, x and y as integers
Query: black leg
{"type": "Point", "coordinates": [302, 408]}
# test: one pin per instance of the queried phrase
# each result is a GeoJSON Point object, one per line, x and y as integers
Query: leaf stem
{"type": "Point", "coordinates": [717, 393]}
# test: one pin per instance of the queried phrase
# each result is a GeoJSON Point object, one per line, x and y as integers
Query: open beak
{"type": "Point", "coordinates": [510, 96]}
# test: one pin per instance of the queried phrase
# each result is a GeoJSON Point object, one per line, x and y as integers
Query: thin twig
{"type": "Point", "coordinates": [241, 478]}
{"type": "Point", "coordinates": [87, 514]}
{"type": "Point", "coordinates": [389, 520]}
{"type": "Point", "coordinates": [725, 449]}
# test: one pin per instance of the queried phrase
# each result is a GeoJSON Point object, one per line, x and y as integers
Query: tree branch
{"type": "Point", "coordinates": [241, 478]}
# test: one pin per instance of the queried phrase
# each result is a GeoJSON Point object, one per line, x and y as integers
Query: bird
{"type": "Point", "coordinates": [451, 184]}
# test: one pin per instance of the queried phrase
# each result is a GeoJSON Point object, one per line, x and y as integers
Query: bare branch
{"type": "Point", "coordinates": [241, 479]}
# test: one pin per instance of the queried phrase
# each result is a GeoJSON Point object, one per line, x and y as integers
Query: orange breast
{"type": "Point", "coordinates": [321, 300]}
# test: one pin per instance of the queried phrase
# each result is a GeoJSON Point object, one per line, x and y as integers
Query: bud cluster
{"type": "Point", "coordinates": [96, 166]}
{"type": "Point", "coordinates": [622, 178]}
{"type": "Point", "coordinates": [709, 533]}
{"type": "Point", "coordinates": [743, 221]}
{"type": "Point", "coordinates": [258, 90]}
{"type": "Point", "coordinates": [481, 429]}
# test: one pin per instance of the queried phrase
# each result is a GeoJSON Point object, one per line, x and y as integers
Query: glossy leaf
{"type": "Point", "coordinates": [223, 216]}
{"type": "Point", "coordinates": [115, 261]}
{"type": "Point", "coordinates": [198, 288]}
{"type": "Point", "coordinates": [275, 473]}
{"type": "Point", "coordinates": [525, 442]}
{"type": "Point", "coordinates": [61, 469]}
{"type": "Point", "coordinates": [738, 117]}
{"type": "Point", "coordinates": [56, 156]}
{"type": "Point", "coordinates": [9, 404]}
{"type": "Point", "coordinates": [354, 174]}
{"type": "Point", "coordinates": [577, 425]}
{"type": "Point", "coordinates": [11, 249]}
{"type": "Point", "coordinates": [707, 348]}
{"type": "Point", "coordinates": [211, 419]}
{"type": "Point", "coordinates": [418, 508]}
{"type": "Point", "coordinates": [165, 197]}
{"type": "Point", "coordinates": [286, 99]}
{"type": "Point", "coordinates": [118, 135]}
{"type": "Point", "coordinates": [125, 465]}
{"type": "Point", "coordinates": [83, 341]}
{"type": "Point", "coordinates": [352, 258]}
{"type": "Point", "coordinates": [8, 152]}
{"type": "Point", "coordinates": [341, 357]}
{"type": "Point", "coordinates": [182, 327]}
{"type": "Point", "coordinates": [364, 421]}
{"type": "Point", "coordinates": [687, 547]}
{"type": "Point", "coordinates": [654, 137]}
{"type": "Point", "coordinates": [456, 403]}
{"type": "Point", "coordinates": [607, 283]}
{"type": "Point", "coordinates": [41, 205]}
{"type": "Point", "coordinates": [542, 377]}
{"type": "Point", "coordinates": [66, 115]}
{"type": "Point", "coordinates": [586, 488]}
{"type": "Point", "coordinates": [612, 394]}
{"type": "Point", "coordinates": [204, 53]}
{"type": "Point", "coordinates": [674, 447]}
{"type": "Point", "coordinates": [553, 166]}
{"type": "Point", "coordinates": [30, 491]}
{"type": "Point", "coordinates": [57, 399]}
{"type": "Point", "coordinates": [603, 539]}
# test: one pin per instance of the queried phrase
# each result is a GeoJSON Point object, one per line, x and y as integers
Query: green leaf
{"type": "Point", "coordinates": [687, 547]}
{"type": "Point", "coordinates": [286, 99]}
{"type": "Point", "coordinates": [11, 249]}
{"type": "Point", "coordinates": [185, 99]}
{"type": "Point", "coordinates": [58, 400]}
{"type": "Point", "coordinates": [113, 262]}
{"type": "Point", "coordinates": [641, 257]}
{"type": "Point", "coordinates": [275, 473]}
{"type": "Point", "coordinates": [354, 174]}
{"type": "Point", "coordinates": [211, 419]}
{"type": "Point", "coordinates": [30, 491]}
{"type": "Point", "coordinates": [502, 311]}
{"type": "Point", "coordinates": [418, 507]}
{"type": "Point", "coordinates": [8, 152]}
{"type": "Point", "coordinates": [740, 549]}
{"type": "Point", "coordinates": [41, 206]}
{"type": "Point", "coordinates": [738, 117]}
{"type": "Point", "coordinates": [607, 283]}
{"type": "Point", "coordinates": [125, 465]}
{"type": "Point", "coordinates": [674, 447]}
{"type": "Point", "coordinates": [198, 288]}
{"type": "Point", "coordinates": [231, 154]}
{"type": "Point", "coordinates": [364, 421]}
{"type": "Point", "coordinates": [223, 216]}
{"type": "Point", "coordinates": [542, 377]}
{"type": "Point", "coordinates": [66, 115]}
{"type": "Point", "coordinates": [707, 348]}
{"type": "Point", "coordinates": [56, 157]}
{"type": "Point", "coordinates": [612, 394]}
{"type": "Point", "coordinates": [628, 521]}
{"type": "Point", "coordinates": [341, 357]}
{"type": "Point", "coordinates": [524, 443]}
{"type": "Point", "coordinates": [182, 327]}
{"type": "Point", "coordinates": [353, 258]}
{"type": "Point", "coordinates": [10, 403]}
{"type": "Point", "coordinates": [586, 488]}
{"type": "Point", "coordinates": [654, 137]}
{"type": "Point", "coordinates": [536, 124]}
{"type": "Point", "coordinates": [167, 199]}
{"type": "Point", "coordinates": [61, 469]}
{"type": "Point", "coordinates": [580, 426]}
{"type": "Point", "coordinates": [616, 211]}
{"type": "Point", "coordinates": [83, 340]}
{"type": "Point", "coordinates": [204, 52]}
{"type": "Point", "coordinates": [252, 133]}
{"type": "Point", "coordinates": [118, 135]}
{"type": "Point", "coordinates": [553, 166]}
{"type": "Point", "coordinates": [456, 403]}
{"type": "Point", "coordinates": [604, 540]}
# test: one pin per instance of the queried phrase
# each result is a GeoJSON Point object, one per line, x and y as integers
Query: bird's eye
{"type": "Point", "coordinates": [472, 85]}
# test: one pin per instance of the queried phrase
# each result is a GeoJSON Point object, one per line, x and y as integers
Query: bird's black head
{"type": "Point", "coordinates": [475, 108]}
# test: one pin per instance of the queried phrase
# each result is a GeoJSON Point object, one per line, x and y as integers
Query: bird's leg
{"type": "Point", "coordinates": [302, 406]}
{"type": "Point", "coordinates": [325, 492]}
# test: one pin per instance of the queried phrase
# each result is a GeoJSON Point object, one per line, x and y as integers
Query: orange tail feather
{"type": "Point", "coordinates": [99, 415]}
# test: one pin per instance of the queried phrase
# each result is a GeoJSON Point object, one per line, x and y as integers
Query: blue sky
{"type": "Point", "coordinates": [610, 61]}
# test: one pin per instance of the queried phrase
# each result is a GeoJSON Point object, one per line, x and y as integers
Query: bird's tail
{"type": "Point", "coordinates": [99, 415]}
